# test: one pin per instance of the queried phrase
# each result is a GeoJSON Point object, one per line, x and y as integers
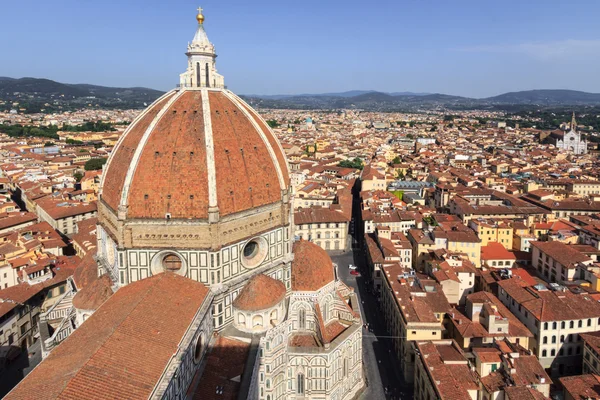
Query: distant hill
{"type": "Point", "coordinates": [547, 97]}
{"type": "Point", "coordinates": [46, 95]}
{"type": "Point", "coordinates": [350, 93]}
{"type": "Point", "coordinates": [38, 93]}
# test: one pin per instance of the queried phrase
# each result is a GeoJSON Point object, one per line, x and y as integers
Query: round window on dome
{"type": "Point", "coordinates": [251, 250]}
{"type": "Point", "coordinates": [254, 252]}
{"type": "Point", "coordinates": [172, 263]}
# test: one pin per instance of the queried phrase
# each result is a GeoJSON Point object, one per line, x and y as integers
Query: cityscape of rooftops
{"type": "Point", "coordinates": [352, 201]}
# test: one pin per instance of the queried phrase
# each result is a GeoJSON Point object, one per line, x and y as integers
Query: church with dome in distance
{"type": "Point", "coordinates": [198, 289]}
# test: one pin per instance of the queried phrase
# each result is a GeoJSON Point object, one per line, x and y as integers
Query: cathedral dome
{"type": "Point", "coordinates": [312, 267]}
{"type": "Point", "coordinates": [193, 151]}
{"type": "Point", "coordinates": [261, 292]}
{"type": "Point", "coordinates": [199, 152]}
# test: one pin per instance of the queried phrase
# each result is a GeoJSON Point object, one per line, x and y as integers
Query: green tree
{"type": "Point", "coordinates": [355, 163]}
{"type": "Point", "coordinates": [396, 160]}
{"type": "Point", "coordinates": [73, 141]}
{"type": "Point", "coordinates": [94, 164]}
{"type": "Point", "coordinates": [78, 176]}
{"type": "Point", "coordinates": [48, 144]}
{"type": "Point", "coordinates": [272, 123]}
{"type": "Point", "coordinates": [410, 136]}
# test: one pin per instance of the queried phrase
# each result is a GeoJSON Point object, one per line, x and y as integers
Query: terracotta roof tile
{"type": "Point", "coordinates": [312, 267]}
{"type": "Point", "coordinates": [259, 293]}
{"type": "Point", "coordinates": [122, 349]}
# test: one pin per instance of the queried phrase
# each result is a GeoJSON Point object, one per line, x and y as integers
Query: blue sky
{"type": "Point", "coordinates": [471, 48]}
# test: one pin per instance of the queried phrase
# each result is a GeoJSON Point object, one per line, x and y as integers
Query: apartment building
{"type": "Point", "coordinates": [414, 310]}
{"type": "Point", "coordinates": [556, 318]}
{"type": "Point", "coordinates": [484, 320]}
{"type": "Point", "coordinates": [558, 262]}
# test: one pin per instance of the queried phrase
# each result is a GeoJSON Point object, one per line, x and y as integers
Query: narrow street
{"type": "Point", "coordinates": [381, 368]}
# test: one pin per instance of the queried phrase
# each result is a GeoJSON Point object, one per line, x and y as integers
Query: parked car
{"type": "Point", "coordinates": [352, 267]}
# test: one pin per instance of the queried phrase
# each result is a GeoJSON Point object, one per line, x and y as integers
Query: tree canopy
{"type": "Point", "coordinates": [355, 163]}
{"type": "Point", "coordinates": [94, 164]}
{"type": "Point", "coordinates": [272, 123]}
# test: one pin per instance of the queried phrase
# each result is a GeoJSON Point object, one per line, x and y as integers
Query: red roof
{"type": "Point", "coordinates": [260, 293]}
{"type": "Point", "coordinates": [172, 172]}
{"type": "Point", "coordinates": [496, 251]}
{"type": "Point", "coordinates": [121, 351]}
{"type": "Point", "coordinates": [312, 267]}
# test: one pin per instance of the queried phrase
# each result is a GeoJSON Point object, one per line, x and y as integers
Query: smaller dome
{"type": "Point", "coordinates": [260, 293]}
{"type": "Point", "coordinates": [312, 267]}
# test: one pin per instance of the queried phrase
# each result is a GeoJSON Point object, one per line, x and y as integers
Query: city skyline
{"type": "Point", "coordinates": [315, 48]}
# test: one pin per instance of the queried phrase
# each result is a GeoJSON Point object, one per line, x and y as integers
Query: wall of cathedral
{"type": "Point", "coordinates": [210, 268]}
{"type": "Point", "coordinates": [572, 142]}
{"type": "Point", "coordinates": [328, 371]}
{"type": "Point", "coordinates": [284, 372]}
{"type": "Point", "coordinates": [190, 357]}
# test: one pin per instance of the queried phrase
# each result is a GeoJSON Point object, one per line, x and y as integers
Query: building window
{"type": "Point", "coordinates": [172, 263]}
{"type": "Point", "coordinates": [544, 353]}
{"type": "Point", "coordinates": [545, 340]}
{"type": "Point", "coordinates": [552, 352]}
{"type": "Point", "coordinates": [553, 339]}
{"type": "Point", "coordinates": [302, 318]}
{"type": "Point", "coordinates": [198, 349]}
{"type": "Point", "coordinates": [300, 384]}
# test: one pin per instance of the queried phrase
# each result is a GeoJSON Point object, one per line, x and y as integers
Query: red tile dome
{"type": "Point", "coordinates": [260, 293]}
{"type": "Point", "coordinates": [191, 150]}
{"type": "Point", "coordinates": [312, 267]}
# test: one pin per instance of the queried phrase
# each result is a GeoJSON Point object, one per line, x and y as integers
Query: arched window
{"type": "Point", "coordinates": [552, 353]}
{"type": "Point", "coordinates": [241, 319]}
{"type": "Point", "coordinates": [580, 323]}
{"type": "Point", "coordinates": [545, 340]}
{"type": "Point", "coordinates": [590, 322]}
{"type": "Point", "coordinates": [554, 325]}
{"type": "Point", "coordinates": [544, 353]}
{"type": "Point", "coordinates": [545, 325]}
{"type": "Point", "coordinates": [562, 338]}
{"type": "Point", "coordinates": [198, 74]}
{"type": "Point", "coordinates": [302, 318]}
{"type": "Point", "coordinates": [553, 339]}
{"type": "Point", "coordinates": [257, 321]}
{"type": "Point", "coordinates": [207, 79]}
{"type": "Point", "coordinates": [562, 325]}
{"type": "Point", "coordinates": [571, 324]}
{"type": "Point", "coordinates": [300, 384]}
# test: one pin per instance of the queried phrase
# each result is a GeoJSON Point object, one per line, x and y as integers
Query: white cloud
{"type": "Point", "coordinates": [543, 50]}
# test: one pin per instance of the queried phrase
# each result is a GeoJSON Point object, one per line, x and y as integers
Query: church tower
{"type": "Point", "coordinates": [201, 70]}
